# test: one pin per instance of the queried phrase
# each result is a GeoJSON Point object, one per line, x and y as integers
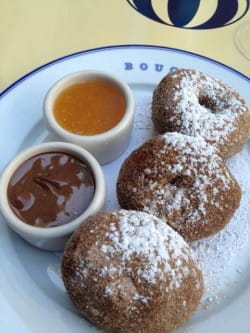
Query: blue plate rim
{"type": "Point", "coordinates": [111, 47]}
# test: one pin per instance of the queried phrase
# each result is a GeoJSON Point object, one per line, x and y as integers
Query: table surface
{"type": "Point", "coordinates": [35, 32]}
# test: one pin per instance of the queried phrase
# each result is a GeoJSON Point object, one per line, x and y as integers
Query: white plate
{"type": "Point", "coordinates": [32, 297]}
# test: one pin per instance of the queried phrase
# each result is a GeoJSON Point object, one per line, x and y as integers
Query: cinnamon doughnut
{"type": "Point", "coordinates": [128, 271]}
{"type": "Point", "coordinates": [182, 180]}
{"type": "Point", "coordinates": [193, 103]}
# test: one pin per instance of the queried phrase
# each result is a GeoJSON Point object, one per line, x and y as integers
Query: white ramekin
{"type": "Point", "coordinates": [106, 146]}
{"type": "Point", "coordinates": [53, 238]}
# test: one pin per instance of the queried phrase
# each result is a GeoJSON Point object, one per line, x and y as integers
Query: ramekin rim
{"type": "Point", "coordinates": [98, 199]}
{"type": "Point", "coordinates": [62, 132]}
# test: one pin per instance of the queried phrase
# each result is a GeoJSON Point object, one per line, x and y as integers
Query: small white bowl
{"type": "Point", "coordinates": [108, 145]}
{"type": "Point", "coordinates": [51, 238]}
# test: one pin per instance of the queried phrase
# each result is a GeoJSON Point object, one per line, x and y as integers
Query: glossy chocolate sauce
{"type": "Point", "coordinates": [51, 189]}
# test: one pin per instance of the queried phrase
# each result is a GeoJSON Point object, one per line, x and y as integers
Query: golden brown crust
{"type": "Point", "coordinates": [125, 281]}
{"type": "Point", "coordinates": [182, 180]}
{"type": "Point", "coordinates": [193, 103]}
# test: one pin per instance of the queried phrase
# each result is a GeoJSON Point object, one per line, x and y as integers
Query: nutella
{"type": "Point", "coordinates": [51, 189]}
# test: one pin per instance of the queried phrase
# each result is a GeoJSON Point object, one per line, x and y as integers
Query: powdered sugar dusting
{"type": "Point", "coordinates": [205, 106]}
{"type": "Point", "coordinates": [141, 234]}
{"type": "Point", "coordinates": [191, 145]}
{"type": "Point", "coordinates": [196, 172]}
{"type": "Point", "coordinates": [137, 253]}
{"type": "Point", "coordinates": [215, 254]}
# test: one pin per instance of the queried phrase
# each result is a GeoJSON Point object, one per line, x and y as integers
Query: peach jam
{"type": "Point", "coordinates": [89, 108]}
